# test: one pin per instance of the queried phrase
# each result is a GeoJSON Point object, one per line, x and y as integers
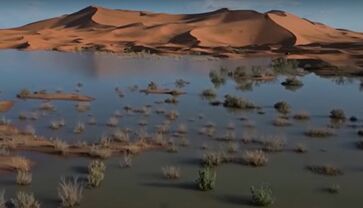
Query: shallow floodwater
{"type": "Point", "coordinates": [143, 184]}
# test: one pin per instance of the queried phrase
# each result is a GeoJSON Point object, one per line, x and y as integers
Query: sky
{"type": "Point", "coordinates": [345, 14]}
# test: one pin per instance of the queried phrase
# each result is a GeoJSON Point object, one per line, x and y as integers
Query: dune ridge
{"type": "Point", "coordinates": [223, 33]}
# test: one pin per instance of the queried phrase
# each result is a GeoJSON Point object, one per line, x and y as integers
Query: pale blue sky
{"type": "Point", "coordinates": [337, 13]}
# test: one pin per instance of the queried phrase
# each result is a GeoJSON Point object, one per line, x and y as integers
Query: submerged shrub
{"type": "Point", "coordinates": [96, 173]}
{"type": "Point", "coordinates": [262, 196]}
{"type": "Point", "coordinates": [300, 148]}
{"type": "Point", "coordinates": [23, 177]}
{"type": "Point", "coordinates": [171, 172]}
{"type": "Point", "coordinates": [207, 178]}
{"type": "Point", "coordinates": [292, 81]}
{"type": "Point", "coordinates": [281, 122]}
{"type": "Point", "coordinates": [237, 102]}
{"type": "Point", "coordinates": [274, 144]}
{"type": "Point", "coordinates": [213, 158]}
{"type": "Point", "coordinates": [100, 152]}
{"type": "Point", "coordinates": [282, 107]}
{"type": "Point", "coordinates": [328, 170]}
{"type": "Point", "coordinates": [319, 132]}
{"type": "Point", "coordinates": [70, 192]}
{"type": "Point", "coordinates": [333, 189]}
{"type": "Point", "coordinates": [121, 135]}
{"type": "Point", "coordinates": [60, 146]}
{"type": "Point", "coordinates": [302, 116]}
{"type": "Point", "coordinates": [255, 158]}
{"type": "Point", "coordinates": [209, 93]}
{"type": "Point", "coordinates": [337, 114]}
{"type": "Point", "coordinates": [79, 128]}
{"type": "Point", "coordinates": [25, 200]}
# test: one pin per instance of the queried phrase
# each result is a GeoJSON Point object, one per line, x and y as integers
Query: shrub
{"type": "Point", "coordinates": [24, 93]}
{"type": "Point", "coordinates": [282, 107]}
{"type": "Point", "coordinates": [207, 178]}
{"type": "Point", "coordinates": [23, 177]}
{"type": "Point", "coordinates": [152, 86]}
{"type": "Point", "coordinates": [319, 132]}
{"type": "Point", "coordinates": [172, 115]}
{"type": "Point", "coordinates": [236, 102]}
{"type": "Point", "coordinates": [213, 158]}
{"type": "Point", "coordinates": [281, 122]}
{"type": "Point", "coordinates": [171, 172]}
{"type": "Point", "coordinates": [255, 158]}
{"type": "Point", "coordinates": [25, 200]}
{"type": "Point", "coordinates": [209, 93]}
{"type": "Point", "coordinates": [21, 163]}
{"type": "Point", "coordinates": [121, 135]}
{"type": "Point", "coordinates": [60, 146]}
{"type": "Point", "coordinates": [302, 116]}
{"type": "Point", "coordinates": [337, 114]}
{"type": "Point", "coordinates": [292, 81]}
{"type": "Point", "coordinates": [100, 152]}
{"type": "Point", "coordinates": [70, 192]}
{"type": "Point", "coordinates": [217, 78]}
{"type": "Point", "coordinates": [79, 128]}
{"type": "Point", "coordinates": [333, 189]}
{"type": "Point", "coordinates": [274, 144]}
{"type": "Point", "coordinates": [83, 106]}
{"type": "Point", "coordinates": [112, 122]}
{"type": "Point", "coordinates": [47, 106]}
{"type": "Point", "coordinates": [232, 147]}
{"type": "Point", "coordinates": [96, 173]}
{"type": "Point", "coordinates": [262, 196]}
{"type": "Point", "coordinates": [300, 148]}
{"type": "Point", "coordinates": [328, 170]}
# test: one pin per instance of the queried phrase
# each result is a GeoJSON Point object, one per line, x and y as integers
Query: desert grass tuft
{"type": "Point", "coordinates": [320, 132]}
{"type": "Point", "coordinates": [25, 200]}
{"type": "Point", "coordinates": [171, 172]}
{"type": "Point", "coordinates": [255, 158]}
{"type": "Point", "coordinates": [328, 170]}
{"type": "Point", "coordinates": [23, 178]}
{"type": "Point", "coordinates": [70, 192]}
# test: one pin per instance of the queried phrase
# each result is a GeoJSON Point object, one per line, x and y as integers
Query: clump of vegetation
{"type": "Point", "coordinates": [213, 158]}
{"type": "Point", "coordinates": [281, 122]}
{"type": "Point", "coordinates": [24, 93]}
{"type": "Point", "coordinates": [319, 132]}
{"type": "Point", "coordinates": [302, 116]}
{"type": "Point", "coordinates": [301, 148]}
{"type": "Point", "coordinates": [61, 146]}
{"type": "Point", "coordinates": [207, 178]}
{"type": "Point", "coordinates": [100, 152]}
{"type": "Point", "coordinates": [328, 170]}
{"type": "Point", "coordinates": [92, 121]}
{"type": "Point", "coordinates": [282, 107]}
{"type": "Point", "coordinates": [209, 93]}
{"type": "Point", "coordinates": [70, 192]}
{"type": "Point", "coordinates": [217, 78]}
{"type": "Point", "coordinates": [172, 115]}
{"type": "Point", "coordinates": [112, 122]}
{"type": "Point", "coordinates": [232, 147]}
{"type": "Point", "coordinates": [274, 144]}
{"type": "Point", "coordinates": [23, 177]}
{"type": "Point", "coordinates": [96, 173]}
{"type": "Point", "coordinates": [262, 196]}
{"type": "Point", "coordinates": [22, 116]}
{"type": "Point", "coordinates": [337, 114]}
{"type": "Point", "coordinates": [56, 124]}
{"type": "Point", "coordinates": [180, 83]}
{"type": "Point", "coordinates": [126, 162]}
{"type": "Point", "coordinates": [120, 135]}
{"type": "Point", "coordinates": [292, 81]}
{"type": "Point", "coordinates": [171, 172]}
{"type": "Point", "coordinates": [333, 189]}
{"type": "Point", "coordinates": [255, 158]}
{"type": "Point", "coordinates": [238, 103]}
{"type": "Point", "coordinates": [83, 106]}
{"type": "Point", "coordinates": [171, 100]}
{"type": "Point", "coordinates": [21, 163]}
{"type": "Point", "coordinates": [79, 128]}
{"type": "Point", "coordinates": [25, 200]}
{"type": "Point", "coordinates": [283, 65]}
{"type": "Point", "coordinates": [47, 106]}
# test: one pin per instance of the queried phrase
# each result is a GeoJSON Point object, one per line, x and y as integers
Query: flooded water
{"type": "Point", "coordinates": [143, 185]}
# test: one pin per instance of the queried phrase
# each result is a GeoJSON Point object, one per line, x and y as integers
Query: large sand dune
{"type": "Point", "coordinates": [221, 32]}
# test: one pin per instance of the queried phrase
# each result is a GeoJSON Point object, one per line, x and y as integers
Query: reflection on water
{"type": "Point", "coordinates": [100, 74]}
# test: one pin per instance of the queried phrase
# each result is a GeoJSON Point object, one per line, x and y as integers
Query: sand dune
{"type": "Point", "coordinates": [216, 33]}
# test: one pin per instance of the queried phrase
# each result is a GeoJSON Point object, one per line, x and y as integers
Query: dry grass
{"type": "Point", "coordinates": [320, 132]}
{"type": "Point", "coordinates": [274, 144]}
{"type": "Point", "coordinates": [79, 128]}
{"type": "Point", "coordinates": [328, 170]}
{"type": "Point", "coordinates": [21, 163]}
{"type": "Point", "coordinates": [126, 161]}
{"type": "Point", "coordinates": [23, 178]}
{"type": "Point", "coordinates": [25, 200]}
{"type": "Point", "coordinates": [255, 158]}
{"type": "Point", "coordinates": [302, 116]}
{"type": "Point", "coordinates": [120, 135]}
{"type": "Point", "coordinates": [171, 172]}
{"type": "Point", "coordinates": [70, 192]}
{"type": "Point", "coordinates": [61, 146]}
{"type": "Point", "coordinates": [100, 152]}
{"type": "Point", "coordinates": [281, 122]}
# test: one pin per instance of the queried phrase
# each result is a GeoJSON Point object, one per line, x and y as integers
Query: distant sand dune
{"type": "Point", "coordinates": [216, 33]}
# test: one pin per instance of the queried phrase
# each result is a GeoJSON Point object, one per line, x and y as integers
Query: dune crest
{"type": "Point", "coordinates": [222, 32]}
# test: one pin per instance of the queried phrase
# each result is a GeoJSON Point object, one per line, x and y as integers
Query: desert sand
{"type": "Point", "coordinates": [221, 33]}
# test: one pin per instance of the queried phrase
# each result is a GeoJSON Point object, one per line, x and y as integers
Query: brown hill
{"type": "Point", "coordinates": [221, 32]}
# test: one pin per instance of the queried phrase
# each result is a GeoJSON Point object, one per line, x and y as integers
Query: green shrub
{"type": "Point", "coordinates": [96, 173]}
{"type": "Point", "coordinates": [262, 196]}
{"type": "Point", "coordinates": [207, 178]}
